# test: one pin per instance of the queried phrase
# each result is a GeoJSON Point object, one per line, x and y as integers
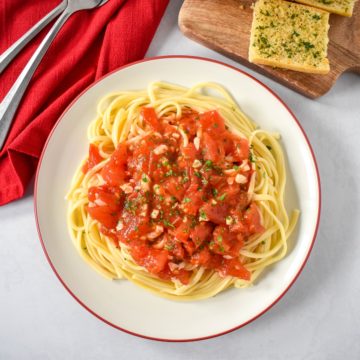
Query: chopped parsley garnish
{"type": "Point", "coordinates": [168, 224]}
{"type": "Point", "coordinates": [130, 206]}
{"type": "Point", "coordinates": [204, 181]}
{"type": "Point", "coordinates": [169, 173]}
{"type": "Point", "coordinates": [236, 167]}
{"type": "Point", "coordinates": [145, 178]}
{"type": "Point", "coordinates": [308, 45]}
{"type": "Point", "coordinates": [169, 247]}
{"type": "Point", "coordinates": [222, 197]}
{"type": "Point", "coordinates": [251, 157]}
{"type": "Point", "coordinates": [184, 180]}
{"type": "Point", "coordinates": [208, 165]}
{"type": "Point", "coordinates": [197, 174]}
{"type": "Point", "coordinates": [186, 200]}
{"type": "Point", "coordinates": [215, 192]}
{"type": "Point", "coordinates": [202, 215]}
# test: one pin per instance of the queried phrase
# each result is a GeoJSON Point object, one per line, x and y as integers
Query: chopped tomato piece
{"type": "Point", "coordinates": [190, 153]}
{"type": "Point", "coordinates": [178, 250]}
{"type": "Point", "coordinates": [242, 150]}
{"type": "Point", "coordinates": [215, 261]}
{"type": "Point", "coordinates": [212, 122]}
{"type": "Point", "coordinates": [225, 242]}
{"type": "Point", "coordinates": [192, 206]}
{"type": "Point", "coordinates": [154, 260]}
{"type": "Point", "coordinates": [216, 212]}
{"type": "Point", "coordinates": [114, 171]}
{"type": "Point", "coordinates": [150, 118]}
{"type": "Point", "coordinates": [105, 205]}
{"type": "Point", "coordinates": [216, 181]}
{"type": "Point", "coordinates": [93, 159]}
{"type": "Point", "coordinates": [104, 215]}
{"type": "Point", "coordinates": [212, 149]}
{"type": "Point", "coordinates": [232, 195]}
{"type": "Point", "coordinates": [105, 195]}
{"type": "Point", "coordinates": [201, 257]}
{"type": "Point", "coordinates": [194, 195]}
{"type": "Point", "coordinates": [183, 275]}
{"type": "Point", "coordinates": [189, 123]}
{"type": "Point", "coordinates": [173, 187]}
{"type": "Point", "coordinates": [189, 247]}
{"type": "Point", "coordinates": [233, 267]}
{"type": "Point", "coordinates": [182, 232]}
{"type": "Point", "coordinates": [236, 147]}
{"type": "Point", "coordinates": [200, 233]}
{"type": "Point", "coordinates": [238, 225]}
{"type": "Point", "coordinates": [253, 220]}
{"type": "Point", "coordinates": [227, 142]}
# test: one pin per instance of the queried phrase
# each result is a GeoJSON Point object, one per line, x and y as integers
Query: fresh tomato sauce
{"type": "Point", "coordinates": [178, 196]}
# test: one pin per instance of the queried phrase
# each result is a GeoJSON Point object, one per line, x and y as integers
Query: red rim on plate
{"type": "Point", "coordinates": [312, 241]}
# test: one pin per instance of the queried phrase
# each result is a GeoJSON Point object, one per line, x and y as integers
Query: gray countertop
{"type": "Point", "coordinates": [319, 317]}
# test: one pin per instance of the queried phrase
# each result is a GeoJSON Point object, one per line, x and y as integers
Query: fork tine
{"type": "Point", "coordinates": [103, 3]}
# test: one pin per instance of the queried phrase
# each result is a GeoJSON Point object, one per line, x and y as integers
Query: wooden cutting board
{"type": "Point", "coordinates": [224, 26]}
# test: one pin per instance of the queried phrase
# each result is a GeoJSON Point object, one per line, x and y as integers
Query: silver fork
{"type": "Point", "coordinates": [7, 56]}
{"type": "Point", "coordinates": [11, 101]}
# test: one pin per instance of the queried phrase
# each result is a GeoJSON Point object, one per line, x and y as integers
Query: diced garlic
{"type": "Point", "coordinates": [230, 180]}
{"type": "Point", "coordinates": [156, 189]}
{"type": "Point", "coordinates": [196, 164]}
{"type": "Point", "coordinates": [240, 179]}
{"type": "Point", "coordinates": [159, 244]}
{"type": "Point", "coordinates": [145, 182]}
{"type": "Point", "coordinates": [126, 188]}
{"type": "Point", "coordinates": [197, 143]}
{"type": "Point", "coordinates": [156, 233]}
{"type": "Point", "coordinates": [161, 149]}
{"type": "Point", "coordinates": [119, 225]}
{"type": "Point", "coordinates": [99, 202]}
{"type": "Point", "coordinates": [154, 213]}
{"type": "Point", "coordinates": [173, 266]}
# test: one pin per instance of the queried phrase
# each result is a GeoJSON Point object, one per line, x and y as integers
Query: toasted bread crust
{"type": "Point", "coordinates": [340, 7]}
{"type": "Point", "coordinates": [289, 35]}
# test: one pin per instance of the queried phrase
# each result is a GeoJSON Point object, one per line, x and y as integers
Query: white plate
{"type": "Point", "coordinates": [122, 304]}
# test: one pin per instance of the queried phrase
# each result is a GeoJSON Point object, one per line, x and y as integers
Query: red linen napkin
{"type": "Point", "coordinates": [90, 44]}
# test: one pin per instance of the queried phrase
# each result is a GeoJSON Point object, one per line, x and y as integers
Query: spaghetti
{"type": "Point", "coordinates": [181, 193]}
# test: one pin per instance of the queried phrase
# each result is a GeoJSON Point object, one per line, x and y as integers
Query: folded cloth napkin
{"type": "Point", "coordinates": [90, 44]}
